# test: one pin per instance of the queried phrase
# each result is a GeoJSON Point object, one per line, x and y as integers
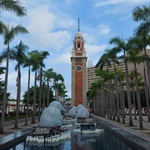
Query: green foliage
{"type": "Point", "coordinates": [31, 95]}
{"type": "Point", "coordinates": [13, 6]}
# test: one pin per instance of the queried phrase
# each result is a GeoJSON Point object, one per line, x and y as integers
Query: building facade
{"type": "Point", "coordinates": [91, 77]}
{"type": "Point", "coordinates": [78, 71]}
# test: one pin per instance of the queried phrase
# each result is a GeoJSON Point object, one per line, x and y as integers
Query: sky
{"type": "Point", "coordinates": [52, 25]}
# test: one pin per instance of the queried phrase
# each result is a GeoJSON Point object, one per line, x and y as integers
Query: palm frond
{"type": "Point", "coordinates": [14, 6]}
{"type": "Point", "coordinates": [143, 29]}
{"type": "Point", "coordinates": [141, 13]}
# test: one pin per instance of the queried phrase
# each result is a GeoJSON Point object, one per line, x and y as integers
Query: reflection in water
{"type": "Point", "coordinates": [106, 141]}
{"type": "Point", "coordinates": [78, 142]}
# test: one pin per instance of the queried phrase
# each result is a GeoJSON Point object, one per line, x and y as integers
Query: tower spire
{"type": "Point", "coordinates": [78, 24]}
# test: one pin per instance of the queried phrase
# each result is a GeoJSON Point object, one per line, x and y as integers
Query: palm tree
{"type": "Point", "coordinates": [35, 66]}
{"type": "Point", "coordinates": [105, 76]}
{"type": "Point", "coordinates": [18, 54]}
{"type": "Point", "coordinates": [42, 55]}
{"type": "Point", "coordinates": [132, 85]}
{"type": "Point", "coordinates": [123, 46]}
{"type": "Point", "coordinates": [8, 34]}
{"type": "Point", "coordinates": [93, 94]}
{"type": "Point", "coordinates": [48, 75]}
{"type": "Point", "coordinates": [62, 91]}
{"type": "Point", "coordinates": [121, 78]}
{"type": "Point", "coordinates": [142, 14]}
{"type": "Point", "coordinates": [57, 78]}
{"type": "Point", "coordinates": [13, 5]}
{"type": "Point", "coordinates": [112, 55]}
{"type": "Point", "coordinates": [133, 56]}
{"type": "Point", "coordinates": [27, 63]}
{"type": "Point", "coordinates": [104, 61]}
{"type": "Point", "coordinates": [44, 92]}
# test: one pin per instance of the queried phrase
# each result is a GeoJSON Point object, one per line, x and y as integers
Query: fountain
{"type": "Point", "coordinates": [53, 128]}
{"type": "Point", "coordinates": [74, 130]}
{"type": "Point", "coordinates": [50, 117]}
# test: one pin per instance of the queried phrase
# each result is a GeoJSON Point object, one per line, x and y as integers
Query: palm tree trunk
{"type": "Point", "coordinates": [138, 98]}
{"type": "Point", "coordinates": [146, 93]}
{"type": "Point", "coordinates": [5, 93]}
{"type": "Point", "coordinates": [128, 94]}
{"type": "Point", "coordinates": [47, 93]}
{"type": "Point", "coordinates": [40, 95]}
{"type": "Point", "coordinates": [117, 94]}
{"type": "Point", "coordinates": [123, 106]}
{"type": "Point", "coordinates": [148, 71]}
{"type": "Point", "coordinates": [27, 111]}
{"type": "Point", "coordinates": [133, 95]}
{"type": "Point", "coordinates": [104, 104]}
{"type": "Point", "coordinates": [44, 96]}
{"type": "Point", "coordinates": [18, 96]}
{"type": "Point", "coordinates": [113, 106]}
{"type": "Point", "coordinates": [99, 102]}
{"type": "Point", "coordinates": [34, 100]}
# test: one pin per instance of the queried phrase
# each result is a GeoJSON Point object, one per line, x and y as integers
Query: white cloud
{"type": "Point", "coordinates": [125, 18]}
{"type": "Point", "coordinates": [89, 38]}
{"type": "Point", "coordinates": [116, 2]}
{"type": "Point", "coordinates": [43, 28]}
{"type": "Point", "coordinates": [64, 58]}
{"type": "Point", "coordinates": [94, 49]}
{"type": "Point", "coordinates": [109, 2]}
{"type": "Point", "coordinates": [103, 29]}
{"type": "Point", "coordinates": [41, 18]}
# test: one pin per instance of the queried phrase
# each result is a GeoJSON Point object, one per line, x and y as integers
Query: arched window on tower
{"type": "Point", "coordinates": [78, 45]}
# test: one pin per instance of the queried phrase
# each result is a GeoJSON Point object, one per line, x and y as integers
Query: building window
{"type": "Point", "coordinates": [78, 60]}
{"type": "Point", "coordinates": [78, 45]}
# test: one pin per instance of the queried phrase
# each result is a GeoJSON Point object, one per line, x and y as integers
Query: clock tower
{"type": "Point", "coordinates": [78, 61]}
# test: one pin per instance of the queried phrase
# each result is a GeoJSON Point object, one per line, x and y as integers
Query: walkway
{"type": "Point", "coordinates": [9, 127]}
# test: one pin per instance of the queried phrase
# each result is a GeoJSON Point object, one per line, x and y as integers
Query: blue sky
{"type": "Point", "coordinates": [52, 25]}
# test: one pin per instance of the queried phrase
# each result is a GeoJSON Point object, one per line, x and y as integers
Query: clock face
{"type": "Point", "coordinates": [78, 68]}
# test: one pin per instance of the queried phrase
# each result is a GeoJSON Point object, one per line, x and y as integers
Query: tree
{"type": "Point", "coordinates": [142, 14]}
{"type": "Point", "coordinates": [35, 66]}
{"type": "Point", "coordinates": [27, 63]}
{"type": "Point", "coordinates": [8, 34]}
{"type": "Point", "coordinates": [48, 75]}
{"type": "Point", "coordinates": [31, 94]}
{"type": "Point", "coordinates": [92, 94]}
{"type": "Point", "coordinates": [106, 102]}
{"type": "Point", "coordinates": [123, 46]}
{"type": "Point", "coordinates": [132, 84]}
{"type": "Point", "coordinates": [57, 78]}
{"type": "Point", "coordinates": [142, 32]}
{"type": "Point", "coordinates": [14, 6]}
{"type": "Point", "coordinates": [42, 55]}
{"type": "Point", "coordinates": [18, 54]}
{"type": "Point", "coordinates": [121, 78]}
{"type": "Point", "coordinates": [112, 55]}
{"type": "Point", "coordinates": [133, 57]}
{"type": "Point", "coordinates": [104, 61]}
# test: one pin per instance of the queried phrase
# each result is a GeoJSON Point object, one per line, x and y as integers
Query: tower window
{"type": "Point", "coordinates": [78, 60]}
{"type": "Point", "coordinates": [78, 45]}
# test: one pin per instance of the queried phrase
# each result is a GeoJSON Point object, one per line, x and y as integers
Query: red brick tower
{"type": "Point", "coordinates": [78, 61]}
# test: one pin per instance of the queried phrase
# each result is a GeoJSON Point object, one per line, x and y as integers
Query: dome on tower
{"type": "Point", "coordinates": [78, 34]}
